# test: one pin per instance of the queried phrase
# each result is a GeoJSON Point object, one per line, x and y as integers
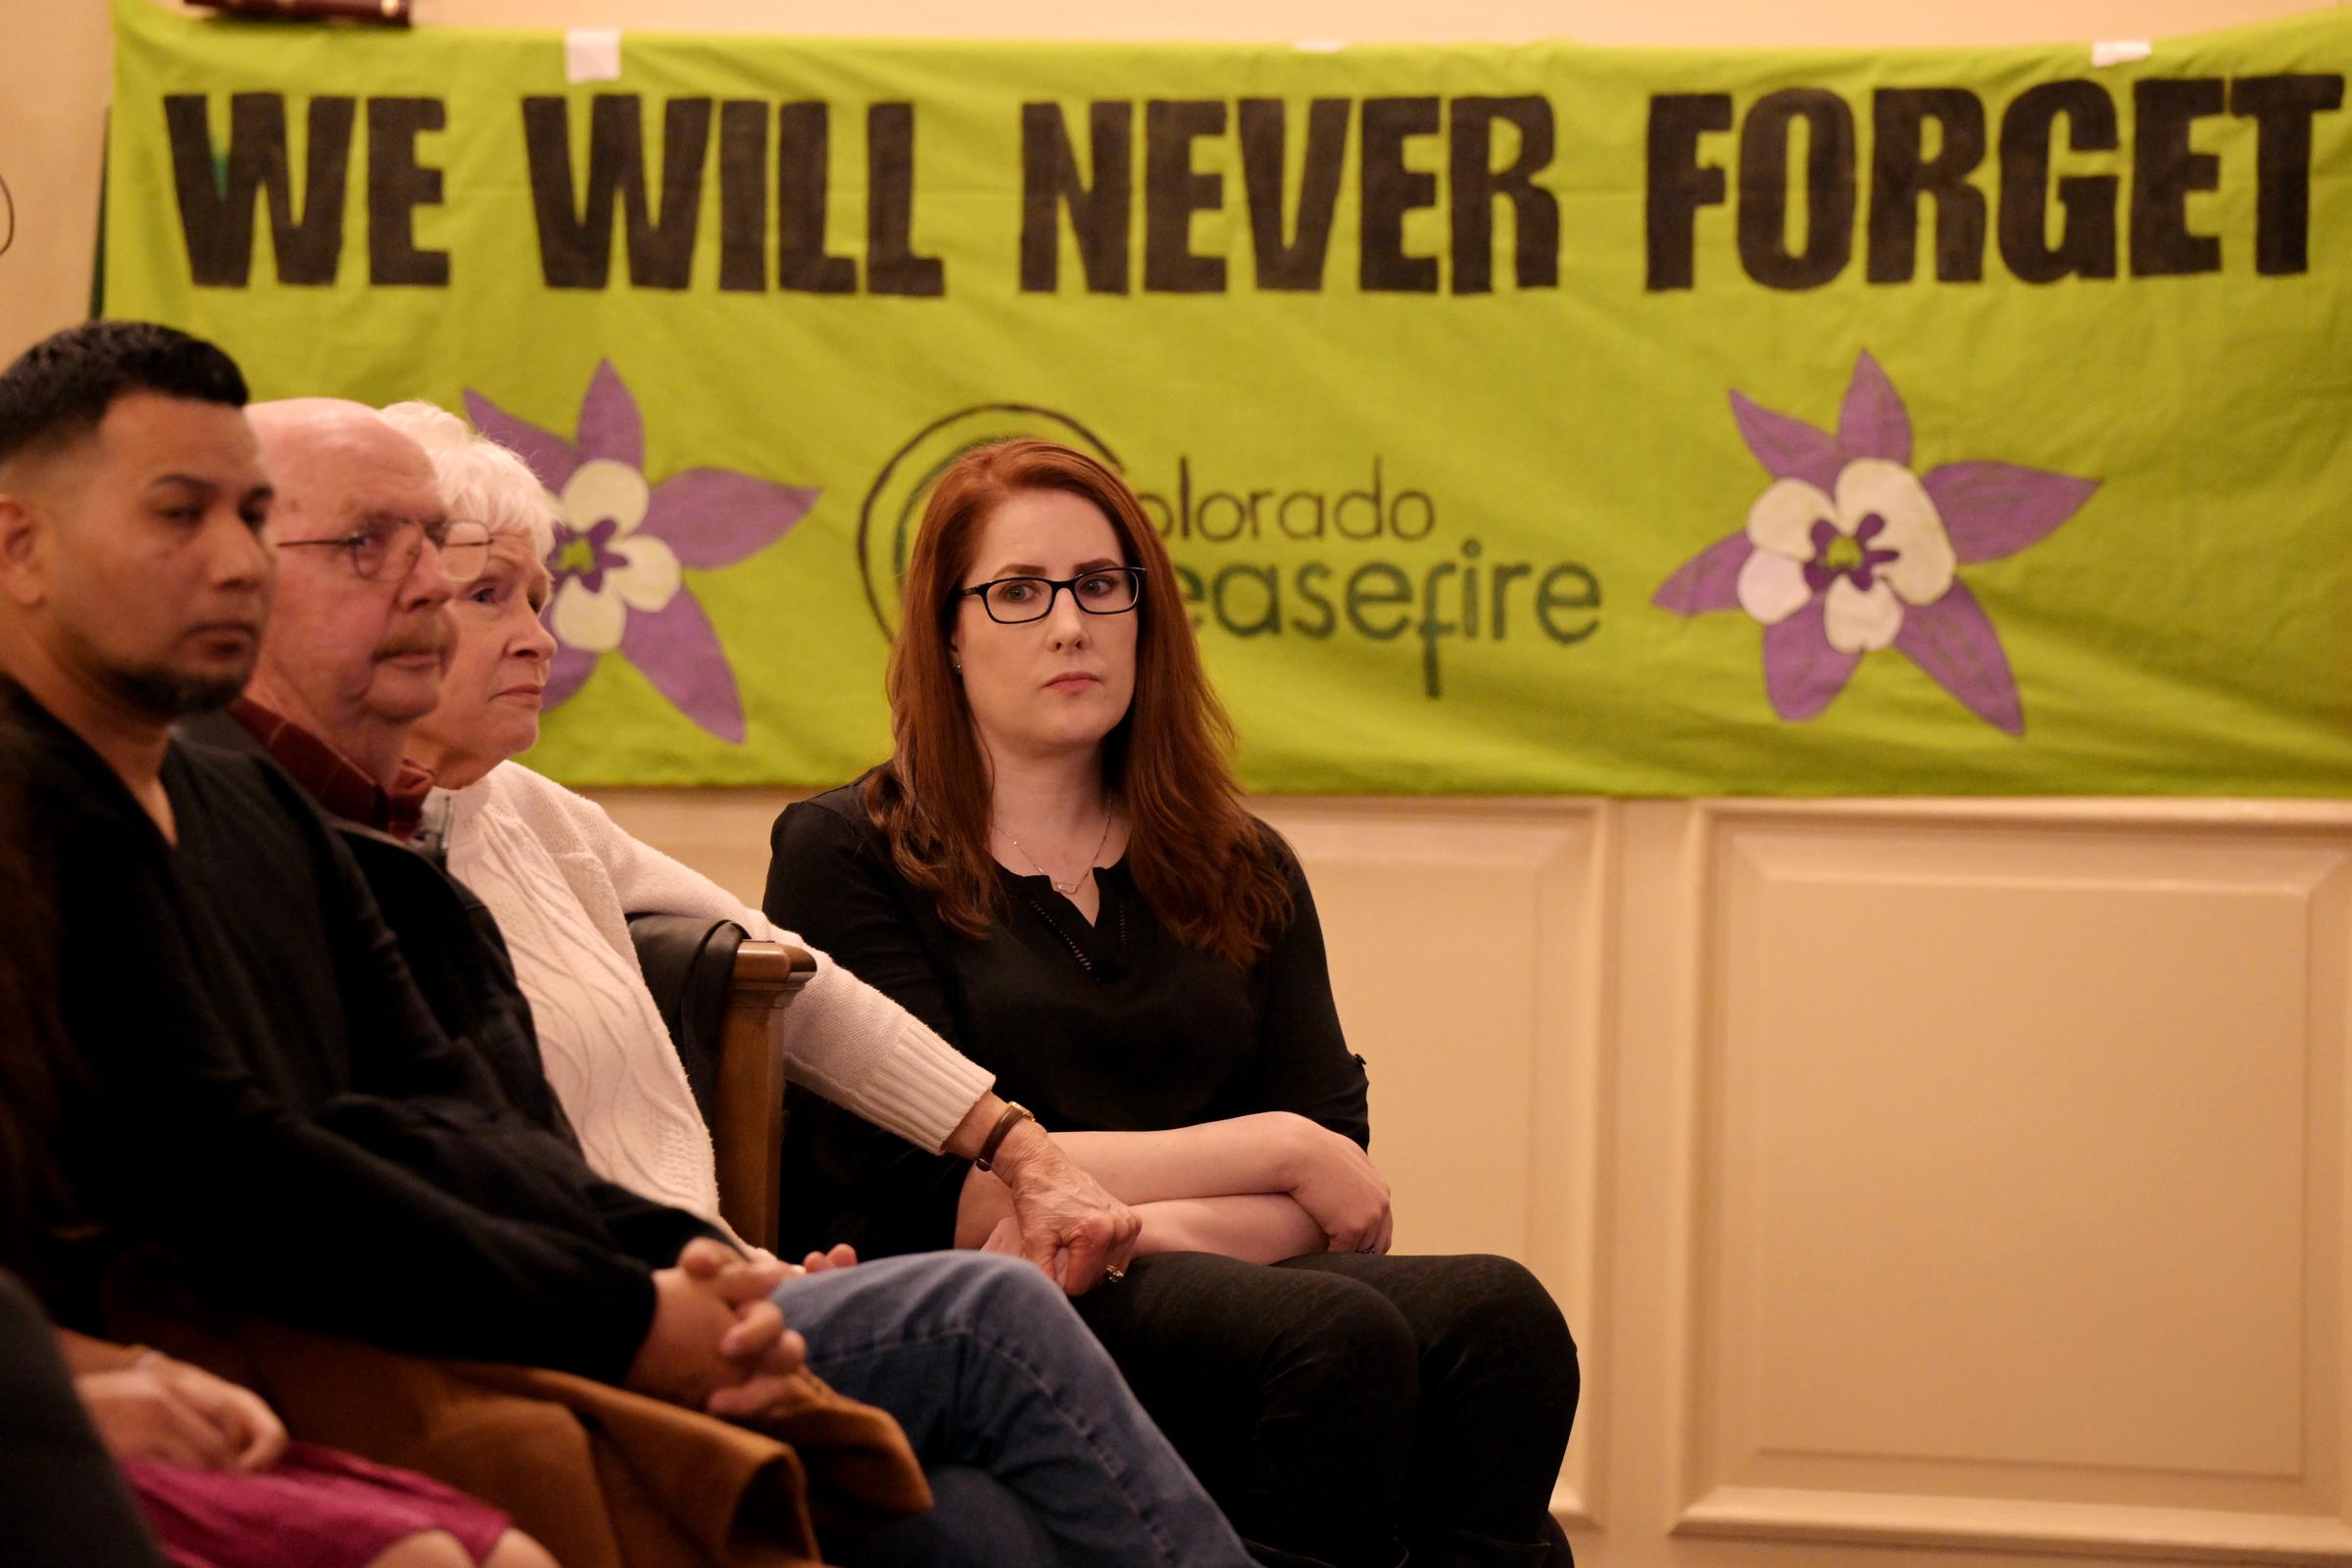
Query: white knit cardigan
{"type": "Point", "coordinates": [561, 879]}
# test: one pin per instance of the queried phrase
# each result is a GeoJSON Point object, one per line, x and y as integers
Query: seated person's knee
{"type": "Point", "coordinates": [515, 1549]}
{"type": "Point", "coordinates": [974, 1520]}
{"type": "Point", "coordinates": [428, 1548]}
{"type": "Point", "coordinates": [1346, 1330]}
{"type": "Point", "coordinates": [1510, 1299]}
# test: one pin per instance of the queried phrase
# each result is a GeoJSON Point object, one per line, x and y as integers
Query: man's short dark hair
{"type": "Point", "coordinates": [62, 386]}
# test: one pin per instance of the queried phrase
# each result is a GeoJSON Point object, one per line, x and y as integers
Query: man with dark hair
{"type": "Point", "coordinates": [178, 629]}
{"type": "Point", "coordinates": [62, 387]}
{"type": "Point", "coordinates": [275, 1101]}
{"type": "Point", "coordinates": [270, 1036]}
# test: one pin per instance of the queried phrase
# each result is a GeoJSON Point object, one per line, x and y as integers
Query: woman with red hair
{"type": "Point", "coordinates": [1054, 869]}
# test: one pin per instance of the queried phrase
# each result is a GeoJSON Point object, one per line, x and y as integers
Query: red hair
{"type": "Point", "coordinates": [1211, 871]}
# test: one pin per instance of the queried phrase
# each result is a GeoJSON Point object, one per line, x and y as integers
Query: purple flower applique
{"type": "Point", "coordinates": [623, 545]}
{"type": "Point", "coordinates": [1849, 551]}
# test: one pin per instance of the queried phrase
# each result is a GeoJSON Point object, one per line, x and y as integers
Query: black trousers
{"type": "Point", "coordinates": [62, 1500]}
{"type": "Point", "coordinates": [1350, 1409]}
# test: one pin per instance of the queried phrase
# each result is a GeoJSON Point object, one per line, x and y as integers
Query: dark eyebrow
{"type": "Point", "coordinates": [261, 494]}
{"type": "Point", "coordinates": [1024, 569]}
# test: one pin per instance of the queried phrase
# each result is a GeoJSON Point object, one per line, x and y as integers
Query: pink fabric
{"type": "Point", "coordinates": [314, 1508]}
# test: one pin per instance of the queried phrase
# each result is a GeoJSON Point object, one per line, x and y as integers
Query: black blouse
{"type": "Point", "coordinates": [1116, 1026]}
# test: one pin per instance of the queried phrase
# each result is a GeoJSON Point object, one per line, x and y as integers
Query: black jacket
{"type": "Point", "coordinates": [455, 951]}
{"type": "Point", "coordinates": [272, 1098]}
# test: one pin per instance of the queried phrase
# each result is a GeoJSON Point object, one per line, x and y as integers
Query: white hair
{"type": "Point", "coordinates": [481, 480]}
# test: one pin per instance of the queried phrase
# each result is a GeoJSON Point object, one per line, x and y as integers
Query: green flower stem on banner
{"type": "Point", "coordinates": [1521, 420]}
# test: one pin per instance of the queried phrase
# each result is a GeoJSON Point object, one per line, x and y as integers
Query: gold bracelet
{"type": "Point", "coordinates": [1014, 1114]}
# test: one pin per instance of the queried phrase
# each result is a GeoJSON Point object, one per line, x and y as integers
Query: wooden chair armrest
{"type": "Point", "coordinates": [748, 1126]}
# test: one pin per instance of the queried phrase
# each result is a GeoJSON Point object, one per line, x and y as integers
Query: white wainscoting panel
{"type": "Point", "coordinates": [2016, 1209]}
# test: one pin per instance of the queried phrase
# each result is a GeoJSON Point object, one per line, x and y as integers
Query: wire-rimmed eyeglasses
{"type": "Point", "coordinates": [390, 546]}
{"type": "Point", "coordinates": [1016, 601]}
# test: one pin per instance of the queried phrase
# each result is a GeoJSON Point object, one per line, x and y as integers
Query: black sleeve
{"type": "Point", "coordinates": [450, 1024]}
{"type": "Point", "coordinates": [1303, 1063]}
{"type": "Point", "coordinates": [459, 961]}
{"type": "Point", "coordinates": [830, 879]}
{"type": "Point", "coordinates": [497, 1138]}
{"type": "Point", "coordinates": [65, 1501]}
{"type": "Point", "coordinates": [846, 1180]}
{"type": "Point", "coordinates": [290, 1211]}
{"type": "Point", "coordinates": [399, 1048]}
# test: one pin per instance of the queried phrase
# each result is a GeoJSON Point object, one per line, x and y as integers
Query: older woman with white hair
{"type": "Point", "coordinates": [562, 878]}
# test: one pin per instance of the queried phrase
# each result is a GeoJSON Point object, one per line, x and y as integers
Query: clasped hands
{"type": "Point", "coordinates": [718, 1343]}
{"type": "Point", "coordinates": [159, 1408]}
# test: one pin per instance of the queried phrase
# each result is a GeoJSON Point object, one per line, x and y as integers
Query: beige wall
{"type": "Point", "coordinates": [1956, 1178]}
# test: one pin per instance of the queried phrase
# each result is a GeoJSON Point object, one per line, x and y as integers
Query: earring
{"type": "Point", "coordinates": [954, 664]}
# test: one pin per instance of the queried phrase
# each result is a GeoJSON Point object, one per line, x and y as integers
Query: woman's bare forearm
{"type": "Point", "coordinates": [1255, 1153]}
{"type": "Point", "coordinates": [1255, 1227]}
{"type": "Point", "coordinates": [986, 1200]}
{"type": "Point", "coordinates": [1206, 1184]}
{"type": "Point", "coordinates": [1268, 1156]}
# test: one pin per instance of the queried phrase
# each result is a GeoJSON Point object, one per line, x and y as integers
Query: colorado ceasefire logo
{"type": "Point", "coordinates": [622, 548]}
{"type": "Point", "coordinates": [1352, 553]}
{"type": "Point", "coordinates": [1848, 552]}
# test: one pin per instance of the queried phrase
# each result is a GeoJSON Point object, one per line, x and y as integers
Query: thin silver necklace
{"type": "Point", "coordinates": [1070, 888]}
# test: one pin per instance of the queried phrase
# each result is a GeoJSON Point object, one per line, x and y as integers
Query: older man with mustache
{"type": "Point", "coordinates": [356, 651]}
{"type": "Point", "coordinates": [356, 648]}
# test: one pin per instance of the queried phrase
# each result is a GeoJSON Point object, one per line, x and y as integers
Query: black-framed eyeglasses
{"type": "Point", "coordinates": [1016, 601]}
{"type": "Point", "coordinates": [390, 546]}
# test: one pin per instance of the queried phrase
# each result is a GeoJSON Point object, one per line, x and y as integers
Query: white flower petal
{"type": "Point", "coordinates": [591, 621]}
{"type": "Point", "coordinates": [651, 577]}
{"type": "Point", "coordinates": [1923, 569]}
{"type": "Point", "coordinates": [1772, 588]}
{"type": "Point", "coordinates": [602, 488]}
{"type": "Point", "coordinates": [1861, 620]}
{"type": "Point", "coordinates": [1781, 519]}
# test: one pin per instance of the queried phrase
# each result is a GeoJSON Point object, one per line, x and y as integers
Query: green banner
{"type": "Point", "coordinates": [1521, 420]}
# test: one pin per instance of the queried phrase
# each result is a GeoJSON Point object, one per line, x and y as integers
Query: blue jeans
{"type": "Point", "coordinates": [985, 1365]}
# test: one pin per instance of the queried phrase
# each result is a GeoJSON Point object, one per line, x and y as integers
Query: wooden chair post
{"type": "Point", "coordinates": [747, 1128]}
